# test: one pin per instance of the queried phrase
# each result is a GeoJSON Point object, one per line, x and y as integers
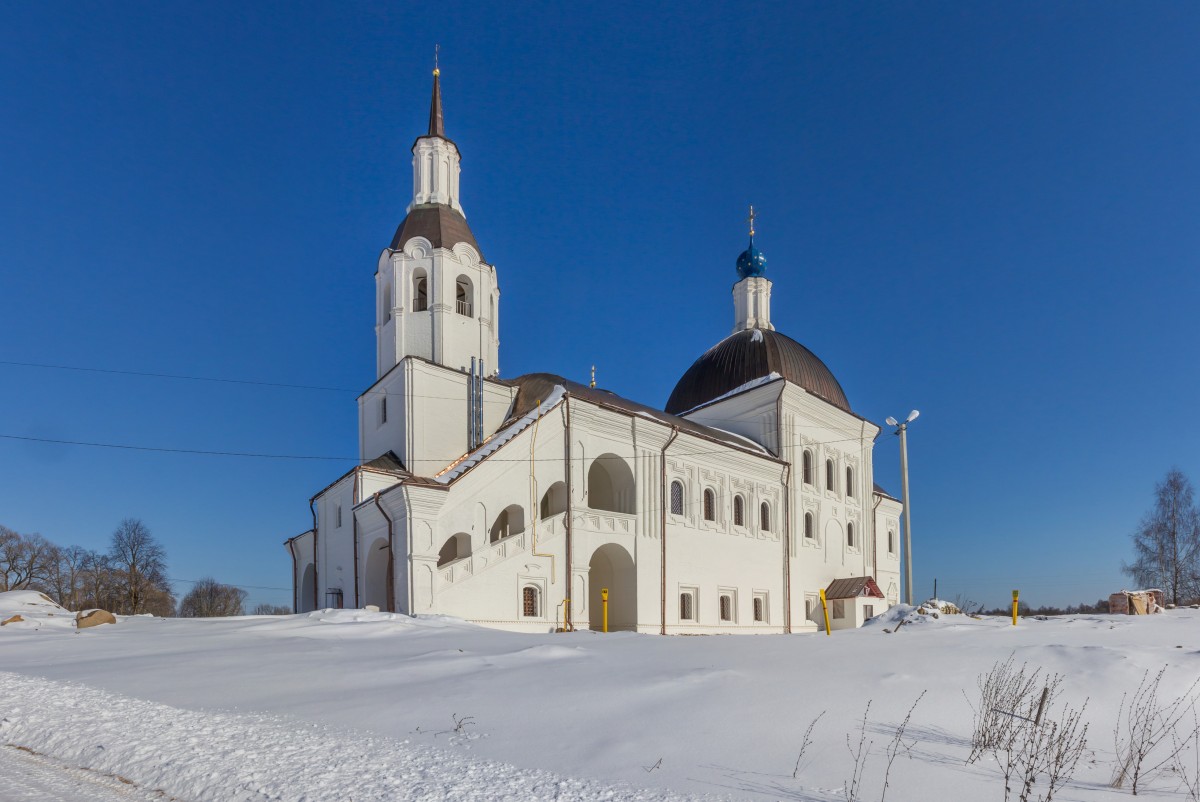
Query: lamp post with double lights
{"type": "Point", "coordinates": [902, 430]}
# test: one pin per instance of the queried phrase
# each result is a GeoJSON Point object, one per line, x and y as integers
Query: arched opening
{"type": "Point", "coordinates": [420, 291]}
{"type": "Point", "coordinates": [307, 588]}
{"type": "Point", "coordinates": [510, 521]}
{"type": "Point", "coordinates": [764, 517]}
{"type": "Point", "coordinates": [385, 303]}
{"type": "Point", "coordinates": [808, 468]}
{"type": "Point", "coordinates": [850, 535]}
{"type": "Point", "coordinates": [611, 567]}
{"type": "Point", "coordinates": [455, 548]}
{"type": "Point", "coordinates": [739, 511]}
{"type": "Point", "coordinates": [554, 501]}
{"type": "Point", "coordinates": [677, 497]}
{"type": "Point", "coordinates": [610, 485]}
{"type": "Point", "coordinates": [463, 296]}
{"type": "Point", "coordinates": [809, 531]}
{"type": "Point", "coordinates": [849, 482]}
{"type": "Point", "coordinates": [829, 477]}
{"type": "Point", "coordinates": [376, 576]}
{"type": "Point", "coordinates": [710, 505]}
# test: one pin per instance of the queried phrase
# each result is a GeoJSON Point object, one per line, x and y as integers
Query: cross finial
{"type": "Point", "coordinates": [593, 384]}
{"type": "Point", "coordinates": [436, 71]}
{"type": "Point", "coordinates": [751, 218]}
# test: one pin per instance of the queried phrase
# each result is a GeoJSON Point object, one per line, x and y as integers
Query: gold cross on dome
{"type": "Point", "coordinates": [751, 218]}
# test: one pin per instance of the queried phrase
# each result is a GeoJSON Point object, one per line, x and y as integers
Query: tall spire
{"type": "Point", "coordinates": [436, 126]}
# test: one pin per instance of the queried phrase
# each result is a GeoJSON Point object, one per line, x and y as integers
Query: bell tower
{"type": "Point", "coordinates": [436, 297]}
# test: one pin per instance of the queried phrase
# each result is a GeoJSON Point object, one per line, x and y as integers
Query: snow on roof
{"type": "Point", "coordinates": [750, 385]}
{"type": "Point", "coordinates": [496, 441]}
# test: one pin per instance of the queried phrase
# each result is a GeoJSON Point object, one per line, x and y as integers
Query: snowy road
{"type": "Point", "coordinates": [25, 777]}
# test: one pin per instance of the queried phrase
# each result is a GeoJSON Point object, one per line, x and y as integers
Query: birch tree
{"type": "Point", "coordinates": [1166, 543]}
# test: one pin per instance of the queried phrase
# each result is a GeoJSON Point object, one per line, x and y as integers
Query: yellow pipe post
{"type": "Point", "coordinates": [604, 604]}
{"type": "Point", "coordinates": [825, 609]}
{"type": "Point", "coordinates": [1015, 595]}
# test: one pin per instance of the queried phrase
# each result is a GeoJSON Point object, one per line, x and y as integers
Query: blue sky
{"type": "Point", "coordinates": [987, 211]}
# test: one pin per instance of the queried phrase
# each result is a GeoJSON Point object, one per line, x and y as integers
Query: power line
{"type": "Point", "coordinates": [175, 450]}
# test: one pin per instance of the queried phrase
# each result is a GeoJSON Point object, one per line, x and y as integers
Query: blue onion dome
{"type": "Point", "coordinates": [751, 262]}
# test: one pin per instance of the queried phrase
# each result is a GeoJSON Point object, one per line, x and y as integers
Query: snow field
{"type": "Point", "coordinates": [351, 704]}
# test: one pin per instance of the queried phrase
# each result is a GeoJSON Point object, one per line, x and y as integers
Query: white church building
{"type": "Point", "coordinates": [515, 503]}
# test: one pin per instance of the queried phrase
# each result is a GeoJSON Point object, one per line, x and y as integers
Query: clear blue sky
{"type": "Point", "coordinates": [987, 211]}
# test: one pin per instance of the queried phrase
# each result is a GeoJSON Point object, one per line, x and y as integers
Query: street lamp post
{"type": "Point", "coordinates": [902, 430]}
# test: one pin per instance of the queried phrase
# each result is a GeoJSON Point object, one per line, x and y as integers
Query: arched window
{"type": "Point", "coordinates": [420, 291]}
{"type": "Point", "coordinates": [610, 485]}
{"type": "Point", "coordinates": [808, 526]}
{"type": "Point", "coordinates": [891, 542]}
{"type": "Point", "coordinates": [455, 548]}
{"type": "Point", "coordinates": [808, 467]}
{"type": "Point", "coordinates": [829, 474]}
{"type": "Point", "coordinates": [710, 505]}
{"type": "Point", "coordinates": [555, 500]}
{"type": "Point", "coordinates": [849, 481]}
{"type": "Point", "coordinates": [739, 511]}
{"type": "Point", "coordinates": [687, 606]}
{"type": "Point", "coordinates": [463, 296]}
{"type": "Point", "coordinates": [531, 604]}
{"type": "Point", "coordinates": [385, 299]}
{"type": "Point", "coordinates": [510, 521]}
{"type": "Point", "coordinates": [850, 534]}
{"type": "Point", "coordinates": [764, 517]}
{"type": "Point", "coordinates": [677, 497]}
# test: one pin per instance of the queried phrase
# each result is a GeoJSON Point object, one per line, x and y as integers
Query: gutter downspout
{"type": "Point", "coordinates": [875, 540]}
{"type": "Point", "coordinates": [295, 587]}
{"type": "Point", "coordinates": [354, 527]}
{"type": "Point", "coordinates": [787, 549]}
{"type": "Point", "coordinates": [316, 562]}
{"type": "Point", "coordinates": [568, 622]}
{"type": "Point", "coordinates": [391, 581]}
{"type": "Point", "coordinates": [662, 532]}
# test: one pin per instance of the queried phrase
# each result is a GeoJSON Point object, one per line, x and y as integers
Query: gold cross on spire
{"type": "Point", "coordinates": [436, 71]}
{"type": "Point", "coordinates": [750, 219]}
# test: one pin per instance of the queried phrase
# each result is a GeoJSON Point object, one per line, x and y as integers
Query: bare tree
{"type": "Point", "coordinates": [272, 609]}
{"type": "Point", "coordinates": [26, 561]}
{"type": "Point", "coordinates": [141, 563]}
{"type": "Point", "coordinates": [210, 598]}
{"type": "Point", "coordinates": [1167, 541]}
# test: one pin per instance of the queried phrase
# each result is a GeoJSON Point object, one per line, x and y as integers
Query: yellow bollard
{"type": "Point", "coordinates": [825, 609]}
{"type": "Point", "coordinates": [604, 604]}
{"type": "Point", "coordinates": [1014, 608]}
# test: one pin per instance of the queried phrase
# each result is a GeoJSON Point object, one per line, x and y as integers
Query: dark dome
{"type": "Point", "coordinates": [748, 355]}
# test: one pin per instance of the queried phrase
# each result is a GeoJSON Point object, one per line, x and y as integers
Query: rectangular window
{"type": "Point", "coordinates": [337, 514]}
{"type": "Point", "coordinates": [868, 611]}
{"type": "Point", "coordinates": [839, 608]}
{"type": "Point", "coordinates": [383, 410]}
{"type": "Point", "coordinates": [333, 598]}
{"type": "Point", "coordinates": [726, 606]}
{"type": "Point", "coordinates": [810, 607]}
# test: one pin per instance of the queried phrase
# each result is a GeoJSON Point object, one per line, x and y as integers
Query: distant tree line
{"type": "Point", "coordinates": [129, 578]}
{"type": "Point", "coordinates": [1083, 608]}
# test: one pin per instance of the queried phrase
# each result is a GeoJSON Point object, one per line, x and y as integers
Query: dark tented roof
{"type": "Point", "coordinates": [386, 462]}
{"type": "Point", "coordinates": [437, 126]}
{"type": "Point", "coordinates": [753, 354]}
{"type": "Point", "coordinates": [533, 388]}
{"type": "Point", "coordinates": [442, 225]}
{"type": "Point", "coordinates": [853, 587]}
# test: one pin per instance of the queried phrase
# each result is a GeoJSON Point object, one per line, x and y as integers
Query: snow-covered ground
{"type": "Point", "coordinates": [373, 706]}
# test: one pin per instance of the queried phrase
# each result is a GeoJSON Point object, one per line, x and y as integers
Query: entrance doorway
{"type": "Point", "coordinates": [611, 567]}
